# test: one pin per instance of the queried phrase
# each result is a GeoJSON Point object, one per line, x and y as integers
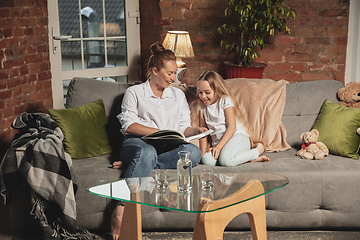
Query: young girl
{"type": "Point", "coordinates": [231, 144]}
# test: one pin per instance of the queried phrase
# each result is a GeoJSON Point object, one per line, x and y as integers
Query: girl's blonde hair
{"type": "Point", "coordinates": [216, 83]}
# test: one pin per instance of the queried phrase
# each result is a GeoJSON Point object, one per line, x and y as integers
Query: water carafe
{"type": "Point", "coordinates": [184, 175]}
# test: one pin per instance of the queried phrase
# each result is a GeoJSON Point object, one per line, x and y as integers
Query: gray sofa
{"type": "Point", "coordinates": [321, 194]}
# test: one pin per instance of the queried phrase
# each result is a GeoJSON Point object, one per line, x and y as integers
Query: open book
{"type": "Point", "coordinates": [166, 140]}
{"type": "Point", "coordinates": [173, 134]}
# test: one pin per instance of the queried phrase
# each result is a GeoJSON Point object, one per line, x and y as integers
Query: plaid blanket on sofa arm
{"type": "Point", "coordinates": [38, 156]}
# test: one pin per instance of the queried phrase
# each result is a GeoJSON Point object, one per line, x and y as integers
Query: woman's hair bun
{"type": "Point", "coordinates": [156, 47]}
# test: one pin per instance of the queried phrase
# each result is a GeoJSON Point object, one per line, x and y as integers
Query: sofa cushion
{"type": "Point", "coordinates": [84, 129]}
{"type": "Point", "coordinates": [302, 105]}
{"type": "Point", "coordinates": [85, 90]}
{"type": "Point", "coordinates": [337, 125]}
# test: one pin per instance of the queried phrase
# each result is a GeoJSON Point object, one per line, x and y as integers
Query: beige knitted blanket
{"type": "Point", "coordinates": [263, 100]}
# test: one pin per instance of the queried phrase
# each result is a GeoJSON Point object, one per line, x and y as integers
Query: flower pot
{"type": "Point", "coordinates": [256, 70]}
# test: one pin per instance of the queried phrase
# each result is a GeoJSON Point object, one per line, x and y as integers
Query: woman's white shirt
{"type": "Point", "coordinates": [214, 115]}
{"type": "Point", "coordinates": [140, 105]}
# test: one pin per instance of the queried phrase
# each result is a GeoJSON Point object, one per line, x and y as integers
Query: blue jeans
{"type": "Point", "coordinates": [141, 158]}
{"type": "Point", "coordinates": [236, 151]}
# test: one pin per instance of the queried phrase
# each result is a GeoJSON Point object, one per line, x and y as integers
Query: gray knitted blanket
{"type": "Point", "coordinates": [37, 157]}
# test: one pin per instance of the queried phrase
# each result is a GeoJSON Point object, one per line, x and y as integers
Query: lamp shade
{"type": "Point", "coordinates": [179, 42]}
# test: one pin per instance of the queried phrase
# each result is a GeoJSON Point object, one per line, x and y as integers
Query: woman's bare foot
{"type": "Point", "coordinates": [261, 159]}
{"type": "Point", "coordinates": [117, 164]}
{"type": "Point", "coordinates": [260, 147]}
{"type": "Point", "coordinates": [116, 220]}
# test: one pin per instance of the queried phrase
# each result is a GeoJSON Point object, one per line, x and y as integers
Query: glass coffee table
{"type": "Point", "coordinates": [231, 195]}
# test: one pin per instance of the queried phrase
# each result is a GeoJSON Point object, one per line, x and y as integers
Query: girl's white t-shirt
{"type": "Point", "coordinates": [215, 119]}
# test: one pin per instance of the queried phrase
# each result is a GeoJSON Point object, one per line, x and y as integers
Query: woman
{"type": "Point", "coordinates": [147, 108]}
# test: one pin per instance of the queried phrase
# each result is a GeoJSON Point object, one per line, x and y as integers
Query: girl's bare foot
{"type": "Point", "coordinates": [261, 159]}
{"type": "Point", "coordinates": [116, 220]}
{"type": "Point", "coordinates": [260, 147]}
{"type": "Point", "coordinates": [117, 164]}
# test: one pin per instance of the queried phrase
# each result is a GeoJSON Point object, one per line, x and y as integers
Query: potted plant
{"type": "Point", "coordinates": [252, 22]}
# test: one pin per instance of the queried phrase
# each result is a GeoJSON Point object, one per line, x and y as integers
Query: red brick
{"type": "Point", "coordinates": [13, 63]}
{"type": "Point", "coordinates": [44, 66]}
{"type": "Point", "coordinates": [7, 3]}
{"type": "Point", "coordinates": [24, 69]}
{"type": "Point", "coordinates": [19, 109]}
{"type": "Point", "coordinates": [34, 58]}
{"type": "Point", "coordinates": [342, 31]}
{"type": "Point", "coordinates": [306, 31]}
{"type": "Point", "coordinates": [18, 32]}
{"type": "Point", "coordinates": [15, 12]}
{"type": "Point", "coordinates": [325, 59]}
{"type": "Point", "coordinates": [340, 40]}
{"type": "Point", "coordinates": [5, 22]}
{"type": "Point", "coordinates": [9, 52]}
{"type": "Point", "coordinates": [335, 49]}
{"type": "Point", "coordinates": [5, 124]}
{"type": "Point", "coordinates": [171, 14]}
{"type": "Point", "coordinates": [308, 21]}
{"type": "Point", "coordinates": [38, 12]}
{"type": "Point", "coordinates": [299, 57]}
{"type": "Point", "coordinates": [318, 40]}
{"type": "Point", "coordinates": [16, 81]}
{"type": "Point", "coordinates": [302, 67]}
{"type": "Point", "coordinates": [5, 94]}
{"type": "Point", "coordinates": [25, 12]}
{"type": "Point", "coordinates": [26, 3]}
{"type": "Point", "coordinates": [307, 12]}
{"type": "Point", "coordinates": [28, 31]}
{"type": "Point", "coordinates": [322, 3]}
{"type": "Point", "coordinates": [333, 12]}
{"type": "Point", "coordinates": [326, 21]}
{"type": "Point", "coordinates": [299, 3]}
{"type": "Point", "coordinates": [4, 12]}
{"type": "Point", "coordinates": [31, 77]}
{"type": "Point", "coordinates": [339, 76]}
{"type": "Point", "coordinates": [44, 75]}
{"type": "Point", "coordinates": [270, 57]}
{"type": "Point", "coordinates": [303, 49]}
{"type": "Point", "coordinates": [7, 32]}
{"type": "Point", "coordinates": [343, 21]}
{"type": "Point", "coordinates": [3, 75]}
{"type": "Point", "coordinates": [25, 22]}
{"type": "Point", "coordinates": [289, 40]}
{"type": "Point", "coordinates": [43, 21]}
{"type": "Point", "coordinates": [317, 66]}
{"type": "Point", "coordinates": [282, 67]}
{"type": "Point", "coordinates": [200, 39]}
{"type": "Point", "coordinates": [316, 76]}
{"type": "Point", "coordinates": [13, 72]}
{"type": "Point", "coordinates": [291, 77]}
{"type": "Point", "coordinates": [341, 67]}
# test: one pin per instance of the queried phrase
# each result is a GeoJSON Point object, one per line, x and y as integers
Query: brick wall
{"type": "Point", "coordinates": [315, 50]}
{"type": "Point", "coordinates": [25, 77]}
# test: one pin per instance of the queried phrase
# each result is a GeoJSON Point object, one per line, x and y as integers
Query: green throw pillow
{"type": "Point", "coordinates": [337, 125]}
{"type": "Point", "coordinates": [84, 129]}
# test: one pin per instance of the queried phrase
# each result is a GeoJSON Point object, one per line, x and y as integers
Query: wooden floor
{"type": "Point", "coordinates": [272, 235]}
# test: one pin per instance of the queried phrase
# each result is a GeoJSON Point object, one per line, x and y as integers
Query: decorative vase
{"type": "Point", "coordinates": [238, 71]}
{"type": "Point", "coordinates": [184, 174]}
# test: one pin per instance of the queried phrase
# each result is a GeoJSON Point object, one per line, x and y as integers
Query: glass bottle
{"type": "Point", "coordinates": [184, 175]}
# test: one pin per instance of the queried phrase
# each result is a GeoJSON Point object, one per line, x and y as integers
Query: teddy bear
{"type": "Point", "coordinates": [311, 149]}
{"type": "Point", "coordinates": [349, 95]}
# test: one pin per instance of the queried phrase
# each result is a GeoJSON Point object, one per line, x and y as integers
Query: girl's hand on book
{"type": "Point", "coordinates": [202, 129]}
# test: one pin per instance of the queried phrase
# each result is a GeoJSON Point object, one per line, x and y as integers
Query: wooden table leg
{"type": "Point", "coordinates": [211, 225]}
{"type": "Point", "coordinates": [131, 227]}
